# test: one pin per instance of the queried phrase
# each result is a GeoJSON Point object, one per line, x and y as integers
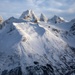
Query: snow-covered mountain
{"type": "Point", "coordinates": [43, 18]}
{"type": "Point", "coordinates": [56, 19]}
{"type": "Point", "coordinates": [28, 48]}
{"type": "Point", "coordinates": [29, 15]}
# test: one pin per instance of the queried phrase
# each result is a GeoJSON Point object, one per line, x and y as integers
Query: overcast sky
{"type": "Point", "coordinates": [63, 8]}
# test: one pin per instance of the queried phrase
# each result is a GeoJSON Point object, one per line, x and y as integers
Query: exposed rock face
{"type": "Point", "coordinates": [40, 70]}
{"type": "Point", "coordinates": [1, 20]}
{"type": "Point", "coordinates": [29, 15]}
{"type": "Point", "coordinates": [43, 18]}
{"type": "Point", "coordinates": [15, 71]}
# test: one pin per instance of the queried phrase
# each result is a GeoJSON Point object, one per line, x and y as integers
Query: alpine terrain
{"type": "Point", "coordinates": [37, 46]}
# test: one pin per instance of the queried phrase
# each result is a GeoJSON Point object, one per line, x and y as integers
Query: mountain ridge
{"type": "Point", "coordinates": [41, 48]}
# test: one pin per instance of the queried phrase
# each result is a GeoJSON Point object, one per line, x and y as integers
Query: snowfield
{"type": "Point", "coordinates": [37, 48]}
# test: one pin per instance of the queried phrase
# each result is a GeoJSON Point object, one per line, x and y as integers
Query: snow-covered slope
{"type": "Point", "coordinates": [56, 19]}
{"type": "Point", "coordinates": [28, 48]}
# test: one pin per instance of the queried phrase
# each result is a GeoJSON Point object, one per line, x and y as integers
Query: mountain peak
{"type": "Point", "coordinates": [43, 18]}
{"type": "Point", "coordinates": [28, 10]}
{"type": "Point", "coordinates": [11, 18]}
{"type": "Point", "coordinates": [25, 13]}
{"type": "Point", "coordinates": [56, 16]}
{"type": "Point", "coordinates": [28, 15]}
{"type": "Point", "coordinates": [56, 19]}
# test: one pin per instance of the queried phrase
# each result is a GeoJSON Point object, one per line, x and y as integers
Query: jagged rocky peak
{"type": "Point", "coordinates": [56, 19]}
{"type": "Point", "coordinates": [1, 19]}
{"type": "Point", "coordinates": [29, 15]}
{"type": "Point", "coordinates": [25, 14]}
{"type": "Point", "coordinates": [43, 18]}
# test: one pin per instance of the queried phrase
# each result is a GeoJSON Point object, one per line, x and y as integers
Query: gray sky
{"type": "Point", "coordinates": [63, 8]}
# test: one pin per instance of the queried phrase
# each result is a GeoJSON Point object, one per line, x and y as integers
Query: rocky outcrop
{"type": "Point", "coordinates": [1, 20]}
{"type": "Point", "coordinates": [15, 71]}
{"type": "Point", "coordinates": [29, 15]}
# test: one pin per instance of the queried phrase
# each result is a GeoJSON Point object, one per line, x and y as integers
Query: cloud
{"type": "Point", "coordinates": [49, 7]}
